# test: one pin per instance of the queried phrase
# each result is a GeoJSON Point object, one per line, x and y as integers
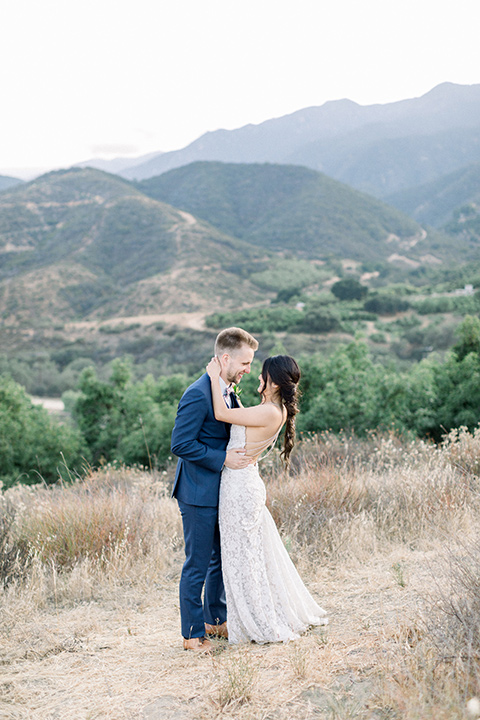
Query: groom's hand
{"type": "Point", "coordinates": [236, 459]}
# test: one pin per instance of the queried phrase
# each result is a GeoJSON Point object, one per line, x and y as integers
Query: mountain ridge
{"type": "Point", "coordinates": [290, 139]}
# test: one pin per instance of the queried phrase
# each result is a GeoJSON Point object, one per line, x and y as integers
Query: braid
{"type": "Point", "coordinates": [284, 372]}
{"type": "Point", "coordinates": [290, 400]}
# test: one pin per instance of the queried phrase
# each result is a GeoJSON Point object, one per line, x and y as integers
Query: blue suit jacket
{"type": "Point", "coordinates": [200, 442]}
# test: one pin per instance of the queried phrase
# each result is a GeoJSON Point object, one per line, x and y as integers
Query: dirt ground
{"type": "Point", "coordinates": [118, 654]}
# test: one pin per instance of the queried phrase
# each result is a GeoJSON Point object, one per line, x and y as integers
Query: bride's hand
{"type": "Point", "coordinates": [214, 368]}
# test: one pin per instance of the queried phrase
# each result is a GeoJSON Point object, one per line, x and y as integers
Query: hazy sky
{"type": "Point", "coordinates": [103, 78]}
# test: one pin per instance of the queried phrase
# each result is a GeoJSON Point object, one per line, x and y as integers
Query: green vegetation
{"type": "Point", "coordinates": [80, 242]}
{"type": "Point", "coordinates": [349, 289]}
{"type": "Point", "coordinates": [285, 207]}
{"type": "Point", "coordinates": [289, 275]}
{"type": "Point", "coordinates": [465, 223]}
{"type": "Point", "coordinates": [33, 447]}
{"type": "Point", "coordinates": [127, 421]}
{"type": "Point", "coordinates": [386, 304]}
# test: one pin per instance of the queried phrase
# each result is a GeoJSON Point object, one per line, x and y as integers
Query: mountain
{"type": "Point", "coordinates": [116, 165]}
{"type": "Point", "coordinates": [380, 149]}
{"type": "Point", "coordinates": [8, 182]}
{"type": "Point", "coordinates": [81, 243]}
{"type": "Point", "coordinates": [435, 203]}
{"type": "Point", "coordinates": [294, 209]}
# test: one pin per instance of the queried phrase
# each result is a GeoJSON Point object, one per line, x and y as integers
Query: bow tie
{"type": "Point", "coordinates": [227, 393]}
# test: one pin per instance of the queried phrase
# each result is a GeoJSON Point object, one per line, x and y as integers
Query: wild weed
{"type": "Point", "coordinates": [237, 674]}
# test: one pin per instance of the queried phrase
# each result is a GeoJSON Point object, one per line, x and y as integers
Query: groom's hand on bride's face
{"type": "Point", "coordinates": [236, 459]}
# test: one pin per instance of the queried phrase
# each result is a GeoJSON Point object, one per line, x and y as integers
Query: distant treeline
{"type": "Point", "coordinates": [127, 421]}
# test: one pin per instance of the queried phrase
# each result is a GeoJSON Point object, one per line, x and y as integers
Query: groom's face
{"type": "Point", "coordinates": [236, 363]}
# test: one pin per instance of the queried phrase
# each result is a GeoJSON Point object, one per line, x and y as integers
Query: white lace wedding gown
{"type": "Point", "coordinates": [266, 598]}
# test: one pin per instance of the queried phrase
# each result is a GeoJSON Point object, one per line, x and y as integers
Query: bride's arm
{"type": "Point", "coordinates": [256, 416]}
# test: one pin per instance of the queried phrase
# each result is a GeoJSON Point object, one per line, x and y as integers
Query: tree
{"type": "Point", "coordinates": [349, 289]}
{"type": "Point", "coordinates": [348, 391]}
{"type": "Point", "coordinates": [385, 304]}
{"type": "Point", "coordinates": [125, 421]}
{"type": "Point", "coordinates": [469, 342]}
{"type": "Point", "coordinates": [33, 446]}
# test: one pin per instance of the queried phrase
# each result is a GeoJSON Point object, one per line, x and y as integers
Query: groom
{"type": "Point", "coordinates": [200, 442]}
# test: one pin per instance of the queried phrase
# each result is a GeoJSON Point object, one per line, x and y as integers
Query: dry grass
{"type": "Point", "coordinates": [384, 532]}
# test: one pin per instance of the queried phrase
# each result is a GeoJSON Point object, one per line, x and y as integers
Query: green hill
{"type": "Point", "coordinates": [81, 241]}
{"type": "Point", "coordinates": [435, 203]}
{"type": "Point", "coordinates": [295, 209]}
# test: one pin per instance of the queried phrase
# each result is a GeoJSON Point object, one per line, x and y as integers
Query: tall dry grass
{"type": "Point", "coordinates": [348, 497]}
{"type": "Point", "coordinates": [116, 522]}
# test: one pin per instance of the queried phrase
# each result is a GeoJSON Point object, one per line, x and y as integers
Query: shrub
{"type": "Point", "coordinates": [125, 421]}
{"type": "Point", "coordinates": [33, 446]}
{"type": "Point", "coordinates": [112, 514]}
{"type": "Point", "coordinates": [349, 289]}
{"type": "Point", "coordinates": [386, 304]}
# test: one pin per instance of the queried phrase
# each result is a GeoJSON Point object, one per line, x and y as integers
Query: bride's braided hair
{"type": "Point", "coordinates": [284, 372]}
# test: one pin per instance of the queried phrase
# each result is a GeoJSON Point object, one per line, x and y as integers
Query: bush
{"type": "Point", "coordinates": [124, 421]}
{"type": "Point", "coordinates": [447, 304]}
{"type": "Point", "coordinates": [94, 518]}
{"type": "Point", "coordinates": [113, 516]}
{"type": "Point", "coordinates": [318, 319]}
{"type": "Point", "coordinates": [349, 289]}
{"type": "Point", "coordinates": [259, 320]}
{"type": "Point", "coordinates": [386, 304]}
{"type": "Point", "coordinates": [348, 391]}
{"type": "Point", "coordinates": [33, 447]}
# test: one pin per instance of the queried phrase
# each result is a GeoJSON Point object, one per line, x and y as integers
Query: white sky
{"type": "Point", "coordinates": [106, 78]}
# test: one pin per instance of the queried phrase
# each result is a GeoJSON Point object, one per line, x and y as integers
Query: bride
{"type": "Point", "coordinates": [266, 598]}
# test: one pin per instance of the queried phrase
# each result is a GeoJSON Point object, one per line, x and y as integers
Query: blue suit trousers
{"type": "Point", "coordinates": [202, 570]}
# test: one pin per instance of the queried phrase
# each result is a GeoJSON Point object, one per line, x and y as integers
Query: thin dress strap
{"type": "Point", "coordinates": [263, 445]}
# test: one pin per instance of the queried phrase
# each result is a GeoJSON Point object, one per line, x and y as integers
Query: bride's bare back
{"type": "Point", "coordinates": [258, 439]}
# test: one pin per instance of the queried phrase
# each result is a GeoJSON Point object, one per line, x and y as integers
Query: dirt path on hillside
{"type": "Point", "coordinates": [118, 654]}
{"type": "Point", "coordinates": [193, 320]}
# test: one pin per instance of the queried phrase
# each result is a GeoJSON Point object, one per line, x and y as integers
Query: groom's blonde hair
{"type": "Point", "coordinates": [233, 338]}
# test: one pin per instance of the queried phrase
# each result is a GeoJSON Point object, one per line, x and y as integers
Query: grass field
{"type": "Point", "coordinates": [385, 533]}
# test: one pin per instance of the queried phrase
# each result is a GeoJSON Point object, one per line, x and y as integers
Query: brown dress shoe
{"type": "Point", "coordinates": [200, 645]}
{"type": "Point", "coordinates": [217, 630]}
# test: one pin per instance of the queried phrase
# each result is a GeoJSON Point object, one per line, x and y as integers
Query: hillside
{"type": "Point", "coordinates": [81, 242]}
{"type": "Point", "coordinates": [8, 182]}
{"type": "Point", "coordinates": [380, 149]}
{"type": "Point", "coordinates": [435, 203]}
{"type": "Point", "coordinates": [294, 209]}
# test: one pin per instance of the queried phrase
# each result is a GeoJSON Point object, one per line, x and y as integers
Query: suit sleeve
{"type": "Point", "coordinates": [191, 414]}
